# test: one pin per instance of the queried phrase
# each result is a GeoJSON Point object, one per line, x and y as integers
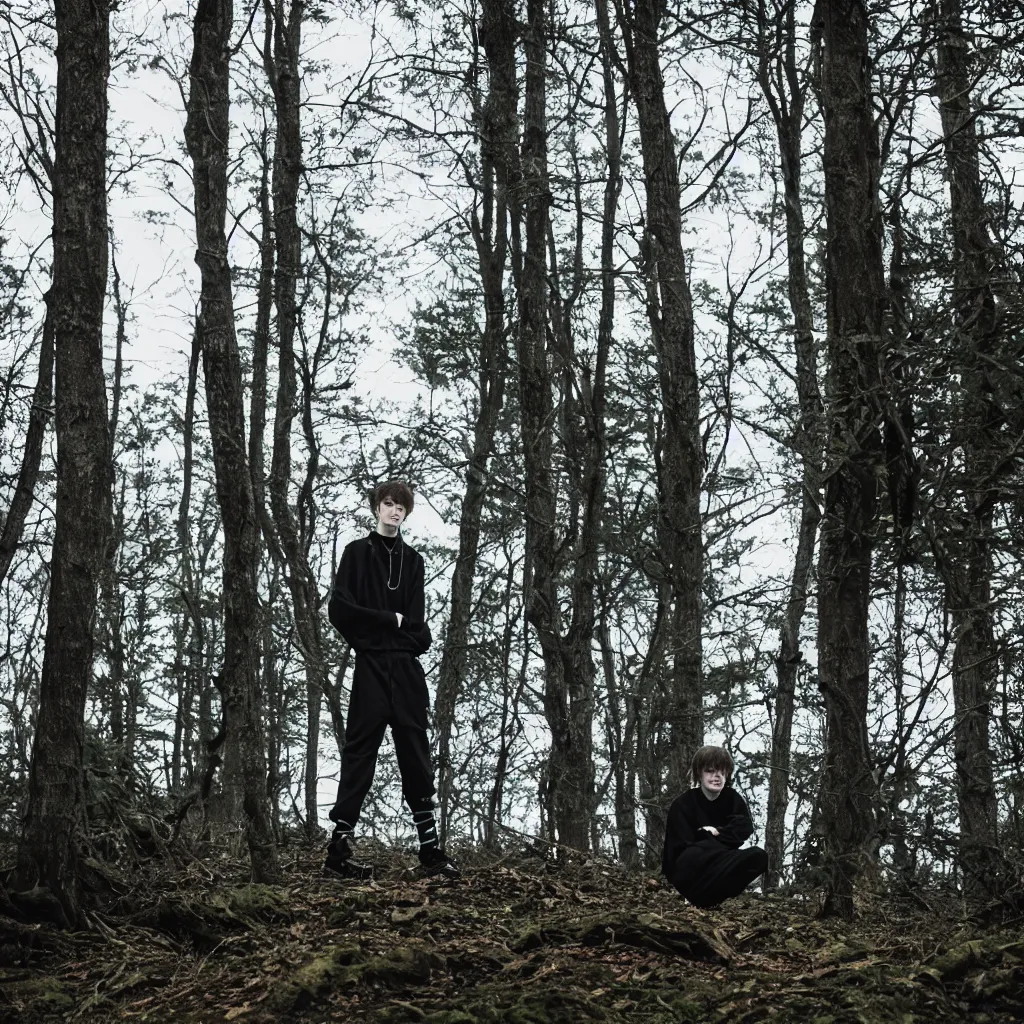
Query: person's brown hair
{"type": "Point", "coordinates": [708, 759]}
{"type": "Point", "coordinates": [397, 490]}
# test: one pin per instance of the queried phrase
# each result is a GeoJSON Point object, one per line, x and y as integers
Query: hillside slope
{"type": "Point", "coordinates": [516, 942]}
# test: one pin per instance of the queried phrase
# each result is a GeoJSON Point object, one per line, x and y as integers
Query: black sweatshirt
{"type": "Point", "coordinates": [363, 604]}
{"type": "Point", "coordinates": [728, 813]}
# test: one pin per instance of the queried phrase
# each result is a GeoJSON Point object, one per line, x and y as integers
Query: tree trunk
{"type": "Point", "coordinates": [261, 339]}
{"type": "Point", "coordinates": [570, 766]}
{"type": "Point", "coordinates": [49, 854]}
{"type": "Point", "coordinates": [273, 683]}
{"type": "Point", "coordinates": [190, 633]}
{"type": "Point", "coordinates": [647, 703]}
{"type": "Point", "coordinates": [111, 599]}
{"type": "Point", "coordinates": [206, 135]}
{"type": "Point", "coordinates": [283, 72]}
{"type": "Point", "coordinates": [968, 569]}
{"type": "Point", "coordinates": [509, 710]}
{"type": "Point", "coordinates": [621, 752]}
{"type": "Point", "coordinates": [333, 697]}
{"type": "Point", "coordinates": [490, 234]}
{"type": "Point", "coordinates": [583, 407]}
{"type": "Point", "coordinates": [670, 312]}
{"type": "Point", "coordinates": [780, 80]}
{"type": "Point", "coordinates": [110, 623]}
{"type": "Point", "coordinates": [855, 289]}
{"type": "Point", "coordinates": [25, 489]}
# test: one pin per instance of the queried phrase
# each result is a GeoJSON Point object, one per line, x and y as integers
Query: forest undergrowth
{"type": "Point", "coordinates": [519, 940]}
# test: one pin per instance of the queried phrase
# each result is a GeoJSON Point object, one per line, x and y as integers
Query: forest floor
{"type": "Point", "coordinates": [516, 941]}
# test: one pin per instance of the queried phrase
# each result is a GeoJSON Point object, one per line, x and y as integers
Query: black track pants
{"type": "Point", "coordinates": [388, 689]}
{"type": "Point", "coordinates": [726, 876]}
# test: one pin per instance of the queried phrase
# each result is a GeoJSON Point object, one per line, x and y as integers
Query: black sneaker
{"type": "Point", "coordinates": [340, 862]}
{"type": "Point", "coordinates": [435, 861]}
{"type": "Point", "coordinates": [336, 867]}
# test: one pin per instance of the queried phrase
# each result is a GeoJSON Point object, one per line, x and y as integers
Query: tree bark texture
{"type": "Point", "coordinates": [569, 773]}
{"type": "Point", "coordinates": [966, 561]}
{"type": "Point", "coordinates": [780, 80]}
{"type": "Point", "coordinates": [498, 136]}
{"type": "Point", "coordinates": [283, 72]}
{"type": "Point", "coordinates": [584, 404]}
{"type": "Point", "coordinates": [855, 289]}
{"type": "Point", "coordinates": [670, 312]}
{"type": "Point", "coordinates": [206, 135]}
{"type": "Point", "coordinates": [620, 736]}
{"type": "Point", "coordinates": [48, 854]}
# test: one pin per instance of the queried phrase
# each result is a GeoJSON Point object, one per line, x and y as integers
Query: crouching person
{"type": "Point", "coordinates": [705, 829]}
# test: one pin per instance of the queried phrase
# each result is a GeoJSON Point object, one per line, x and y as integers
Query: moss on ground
{"type": "Point", "coordinates": [251, 903]}
{"type": "Point", "coordinates": [514, 944]}
{"type": "Point", "coordinates": [314, 979]}
{"type": "Point", "coordinates": [341, 967]}
{"type": "Point", "coordinates": [27, 996]}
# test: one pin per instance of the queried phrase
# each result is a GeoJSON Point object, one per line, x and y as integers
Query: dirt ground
{"type": "Point", "coordinates": [517, 941]}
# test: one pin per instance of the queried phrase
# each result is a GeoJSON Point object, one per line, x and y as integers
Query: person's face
{"type": "Point", "coordinates": [391, 513]}
{"type": "Point", "coordinates": [713, 780]}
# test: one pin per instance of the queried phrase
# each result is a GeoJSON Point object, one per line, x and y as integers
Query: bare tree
{"type": "Point", "coordinates": [189, 628]}
{"type": "Point", "coordinates": [855, 287]}
{"type": "Point", "coordinates": [489, 226]}
{"type": "Point", "coordinates": [964, 555]}
{"type": "Point", "coordinates": [282, 68]}
{"type": "Point", "coordinates": [206, 135]}
{"type": "Point", "coordinates": [679, 453]}
{"type": "Point", "coordinates": [569, 781]}
{"type": "Point", "coordinates": [49, 852]}
{"type": "Point", "coordinates": [785, 85]}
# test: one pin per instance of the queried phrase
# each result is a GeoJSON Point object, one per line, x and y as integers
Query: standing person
{"type": "Point", "coordinates": [378, 607]}
{"type": "Point", "coordinates": [705, 829]}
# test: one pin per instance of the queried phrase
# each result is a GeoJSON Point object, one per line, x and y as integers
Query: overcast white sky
{"type": "Point", "coordinates": [155, 235]}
